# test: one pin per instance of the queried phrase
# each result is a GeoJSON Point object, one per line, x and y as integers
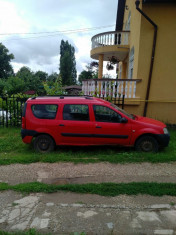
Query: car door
{"type": "Point", "coordinates": [108, 128]}
{"type": "Point", "coordinates": [76, 126]}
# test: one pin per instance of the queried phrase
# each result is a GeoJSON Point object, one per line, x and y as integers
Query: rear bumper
{"type": "Point", "coordinates": [27, 135]}
{"type": "Point", "coordinates": [163, 139]}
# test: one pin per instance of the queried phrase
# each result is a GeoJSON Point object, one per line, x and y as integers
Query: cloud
{"type": "Point", "coordinates": [35, 52]}
{"type": "Point", "coordinates": [47, 16]}
{"type": "Point", "coordinates": [10, 20]}
{"type": "Point", "coordinates": [65, 13]}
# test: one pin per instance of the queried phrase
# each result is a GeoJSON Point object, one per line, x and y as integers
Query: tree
{"type": "Point", "coordinates": [6, 69]}
{"type": "Point", "coordinates": [85, 75]}
{"type": "Point", "coordinates": [2, 85]}
{"type": "Point", "coordinates": [56, 88]}
{"type": "Point", "coordinates": [42, 76]}
{"type": "Point", "coordinates": [31, 80]}
{"type": "Point", "coordinates": [90, 72]}
{"type": "Point", "coordinates": [14, 85]}
{"type": "Point", "coordinates": [25, 74]}
{"type": "Point", "coordinates": [52, 78]}
{"type": "Point", "coordinates": [67, 63]}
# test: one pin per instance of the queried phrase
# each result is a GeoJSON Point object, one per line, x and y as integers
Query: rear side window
{"type": "Point", "coordinates": [76, 112]}
{"type": "Point", "coordinates": [45, 111]}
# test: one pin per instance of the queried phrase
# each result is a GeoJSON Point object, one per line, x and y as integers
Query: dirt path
{"type": "Point", "coordinates": [61, 173]}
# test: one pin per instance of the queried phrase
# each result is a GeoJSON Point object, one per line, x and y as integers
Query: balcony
{"type": "Point", "coordinates": [113, 43]}
{"type": "Point", "coordinates": [112, 89]}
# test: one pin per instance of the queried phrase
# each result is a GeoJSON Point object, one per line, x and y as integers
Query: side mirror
{"type": "Point", "coordinates": [124, 120]}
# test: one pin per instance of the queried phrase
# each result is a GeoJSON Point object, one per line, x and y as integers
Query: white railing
{"type": "Point", "coordinates": [113, 88]}
{"type": "Point", "coordinates": [111, 38]}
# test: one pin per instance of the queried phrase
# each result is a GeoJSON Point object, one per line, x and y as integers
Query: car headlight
{"type": "Point", "coordinates": [165, 131]}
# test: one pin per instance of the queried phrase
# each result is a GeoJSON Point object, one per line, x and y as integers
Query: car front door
{"type": "Point", "coordinates": [108, 128]}
{"type": "Point", "coordinates": [76, 126]}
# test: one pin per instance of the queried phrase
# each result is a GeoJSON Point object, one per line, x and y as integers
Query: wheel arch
{"type": "Point", "coordinates": [43, 133]}
{"type": "Point", "coordinates": [146, 134]}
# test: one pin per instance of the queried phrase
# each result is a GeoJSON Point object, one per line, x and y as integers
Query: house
{"type": "Point", "coordinates": [144, 45]}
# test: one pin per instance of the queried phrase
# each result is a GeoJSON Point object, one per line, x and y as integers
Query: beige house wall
{"type": "Point", "coordinates": [162, 98]}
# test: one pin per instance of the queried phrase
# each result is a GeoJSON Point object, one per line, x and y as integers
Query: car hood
{"type": "Point", "coordinates": [149, 121]}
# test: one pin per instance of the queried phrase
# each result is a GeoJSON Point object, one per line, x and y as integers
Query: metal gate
{"type": "Point", "coordinates": [11, 111]}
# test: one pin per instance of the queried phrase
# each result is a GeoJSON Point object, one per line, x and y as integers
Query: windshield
{"type": "Point", "coordinates": [123, 111]}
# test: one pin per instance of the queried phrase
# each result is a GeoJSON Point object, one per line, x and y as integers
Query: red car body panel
{"type": "Point", "coordinates": [87, 132]}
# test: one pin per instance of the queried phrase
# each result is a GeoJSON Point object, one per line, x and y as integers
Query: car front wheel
{"type": "Point", "coordinates": [147, 144]}
{"type": "Point", "coordinates": [44, 144]}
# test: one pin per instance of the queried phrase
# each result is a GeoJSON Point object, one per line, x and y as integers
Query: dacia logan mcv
{"type": "Point", "coordinates": [51, 121]}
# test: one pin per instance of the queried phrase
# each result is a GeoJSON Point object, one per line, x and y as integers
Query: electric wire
{"type": "Point", "coordinates": [62, 31]}
{"type": "Point", "coordinates": [54, 33]}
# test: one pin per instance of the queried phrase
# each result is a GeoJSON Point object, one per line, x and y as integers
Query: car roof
{"type": "Point", "coordinates": [66, 100]}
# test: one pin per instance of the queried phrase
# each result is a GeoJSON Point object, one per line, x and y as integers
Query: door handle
{"type": "Point", "coordinates": [98, 126]}
{"type": "Point", "coordinates": [61, 124]}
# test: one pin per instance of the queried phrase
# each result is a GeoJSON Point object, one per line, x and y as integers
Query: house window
{"type": "Point", "coordinates": [131, 63]}
{"type": "Point", "coordinates": [129, 21]}
{"type": "Point", "coordinates": [120, 72]}
{"type": "Point", "coordinates": [127, 24]}
{"type": "Point", "coordinates": [127, 28]}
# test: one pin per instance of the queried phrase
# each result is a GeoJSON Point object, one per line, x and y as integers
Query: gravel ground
{"type": "Point", "coordinates": [60, 173]}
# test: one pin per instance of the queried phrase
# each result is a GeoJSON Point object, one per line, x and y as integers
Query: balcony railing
{"type": "Point", "coordinates": [111, 38]}
{"type": "Point", "coordinates": [112, 88]}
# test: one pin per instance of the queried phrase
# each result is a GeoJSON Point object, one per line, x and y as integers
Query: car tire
{"type": "Point", "coordinates": [44, 144]}
{"type": "Point", "coordinates": [147, 144]}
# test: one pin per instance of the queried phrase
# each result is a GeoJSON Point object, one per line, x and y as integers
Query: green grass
{"type": "Point", "coordinates": [103, 189]}
{"type": "Point", "coordinates": [13, 150]}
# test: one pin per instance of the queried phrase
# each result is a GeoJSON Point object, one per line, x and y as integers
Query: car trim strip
{"type": "Point", "coordinates": [94, 135]}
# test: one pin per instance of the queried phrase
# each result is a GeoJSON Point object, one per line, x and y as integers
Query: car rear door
{"type": "Point", "coordinates": [108, 128]}
{"type": "Point", "coordinates": [76, 126]}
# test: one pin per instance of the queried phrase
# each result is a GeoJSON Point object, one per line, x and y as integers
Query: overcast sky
{"type": "Point", "coordinates": [41, 51]}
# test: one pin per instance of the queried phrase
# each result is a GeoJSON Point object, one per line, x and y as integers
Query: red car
{"type": "Point", "coordinates": [62, 120]}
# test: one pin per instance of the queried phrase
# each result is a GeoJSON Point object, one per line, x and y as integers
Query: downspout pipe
{"type": "Point", "coordinates": [152, 57]}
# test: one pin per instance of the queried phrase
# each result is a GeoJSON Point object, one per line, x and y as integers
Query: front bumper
{"type": "Point", "coordinates": [163, 139]}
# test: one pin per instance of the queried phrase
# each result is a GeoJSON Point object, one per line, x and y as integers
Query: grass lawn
{"type": "Point", "coordinates": [103, 189]}
{"type": "Point", "coordinates": [13, 150]}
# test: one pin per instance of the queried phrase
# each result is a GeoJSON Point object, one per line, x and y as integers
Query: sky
{"type": "Point", "coordinates": [33, 29]}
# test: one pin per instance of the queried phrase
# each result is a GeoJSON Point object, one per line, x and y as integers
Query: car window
{"type": "Point", "coordinates": [123, 111]}
{"type": "Point", "coordinates": [45, 111]}
{"type": "Point", "coordinates": [105, 114]}
{"type": "Point", "coordinates": [76, 112]}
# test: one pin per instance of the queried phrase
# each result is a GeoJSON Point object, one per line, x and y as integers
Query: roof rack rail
{"type": "Point", "coordinates": [62, 96]}
{"type": "Point", "coordinates": [89, 97]}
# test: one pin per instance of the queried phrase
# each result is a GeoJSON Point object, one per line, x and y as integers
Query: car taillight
{"type": "Point", "coordinates": [23, 123]}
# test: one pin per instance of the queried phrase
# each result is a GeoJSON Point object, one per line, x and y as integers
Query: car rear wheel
{"type": "Point", "coordinates": [44, 144]}
{"type": "Point", "coordinates": [147, 144]}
